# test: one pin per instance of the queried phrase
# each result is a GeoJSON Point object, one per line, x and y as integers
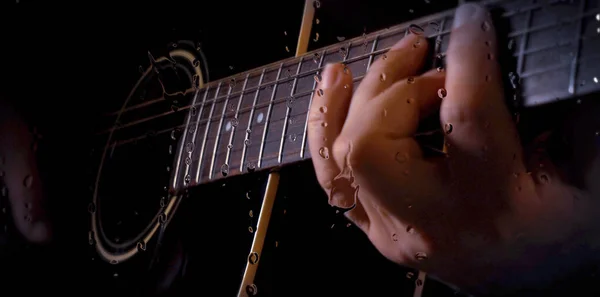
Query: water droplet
{"type": "Point", "coordinates": [189, 147]}
{"type": "Point", "coordinates": [401, 157]}
{"type": "Point", "coordinates": [230, 67]}
{"type": "Point", "coordinates": [231, 107]}
{"type": "Point", "coordinates": [410, 275]}
{"type": "Point", "coordinates": [287, 49]}
{"type": "Point", "coordinates": [598, 17]}
{"type": "Point", "coordinates": [382, 77]}
{"type": "Point", "coordinates": [317, 77]}
{"type": "Point", "coordinates": [230, 146]}
{"type": "Point", "coordinates": [324, 152]}
{"type": "Point", "coordinates": [320, 92]}
{"type": "Point", "coordinates": [348, 225]}
{"type": "Point", "coordinates": [173, 134]}
{"type": "Point", "coordinates": [346, 86]}
{"type": "Point", "coordinates": [92, 207]}
{"type": "Point", "coordinates": [323, 109]}
{"type": "Point", "coordinates": [163, 201]}
{"type": "Point", "coordinates": [293, 137]}
{"type": "Point", "coordinates": [251, 166]}
{"type": "Point", "coordinates": [421, 256]}
{"type": "Point", "coordinates": [442, 93]}
{"type": "Point", "coordinates": [448, 128]}
{"type": "Point", "coordinates": [28, 181]}
{"type": "Point", "coordinates": [419, 282]}
{"type": "Point", "coordinates": [188, 161]}
{"type": "Point", "coordinates": [251, 290]}
{"type": "Point", "coordinates": [439, 69]}
{"type": "Point", "coordinates": [290, 103]}
{"type": "Point", "coordinates": [346, 70]}
{"type": "Point", "coordinates": [395, 237]}
{"type": "Point", "coordinates": [490, 56]}
{"type": "Point", "coordinates": [317, 4]}
{"type": "Point", "coordinates": [225, 169]}
{"type": "Point", "coordinates": [253, 258]}
{"type": "Point", "coordinates": [162, 218]}
{"type": "Point", "coordinates": [410, 100]}
{"type": "Point", "coordinates": [417, 43]}
{"type": "Point", "coordinates": [410, 230]}
{"type": "Point", "coordinates": [544, 178]}
{"type": "Point", "coordinates": [141, 246]}
{"type": "Point", "coordinates": [316, 57]}
{"type": "Point", "coordinates": [247, 142]}
{"type": "Point", "coordinates": [324, 124]}
{"type": "Point", "coordinates": [410, 80]}
{"type": "Point", "coordinates": [595, 80]}
{"type": "Point", "coordinates": [485, 26]}
{"type": "Point", "coordinates": [384, 57]}
{"type": "Point", "coordinates": [250, 229]}
{"type": "Point", "coordinates": [340, 38]}
{"type": "Point", "coordinates": [317, 21]}
{"type": "Point", "coordinates": [170, 149]}
{"type": "Point", "coordinates": [248, 130]}
{"type": "Point", "coordinates": [232, 83]}
{"type": "Point", "coordinates": [251, 213]}
{"type": "Point", "coordinates": [114, 262]}
{"type": "Point", "coordinates": [174, 108]}
{"type": "Point", "coordinates": [187, 179]}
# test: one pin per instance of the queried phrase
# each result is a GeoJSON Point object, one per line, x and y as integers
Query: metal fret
{"type": "Point", "coordinates": [575, 61]}
{"type": "Point", "coordinates": [268, 118]}
{"type": "Point", "coordinates": [312, 93]}
{"type": "Point", "coordinates": [218, 137]}
{"type": "Point", "coordinates": [233, 128]}
{"type": "Point", "coordinates": [182, 145]}
{"type": "Point", "coordinates": [249, 126]}
{"type": "Point", "coordinates": [287, 112]}
{"type": "Point", "coordinates": [199, 116]}
{"type": "Point", "coordinates": [371, 53]}
{"type": "Point", "coordinates": [212, 108]}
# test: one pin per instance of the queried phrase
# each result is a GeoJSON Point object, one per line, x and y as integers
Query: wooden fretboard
{"type": "Point", "coordinates": [257, 119]}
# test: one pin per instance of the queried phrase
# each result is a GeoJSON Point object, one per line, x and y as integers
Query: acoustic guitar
{"type": "Point", "coordinates": [254, 123]}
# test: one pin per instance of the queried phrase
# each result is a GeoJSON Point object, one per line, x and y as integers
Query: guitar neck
{"type": "Point", "coordinates": [257, 119]}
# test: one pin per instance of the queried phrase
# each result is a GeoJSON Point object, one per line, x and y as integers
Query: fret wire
{"type": "Point", "coordinates": [200, 160]}
{"type": "Point", "coordinates": [310, 98]}
{"type": "Point", "coordinates": [249, 126]}
{"type": "Point", "coordinates": [287, 112]}
{"type": "Point", "coordinates": [218, 137]}
{"type": "Point", "coordinates": [371, 55]}
{"type": "Point", "coordinates": [267, 118]}
{"type": "Point", "coordinates": [575, 61]}
{"type": "Point", "coordinates": [403, 26]}
{"type": "Point", "coordinates": [182, 145]}
{"type": "Point", "coordinates": [237, 110]}
{"type": "Point", "coordinates": [198, 119]}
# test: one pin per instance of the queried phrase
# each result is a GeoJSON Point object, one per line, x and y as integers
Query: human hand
{"type": "Point", "coordinates": [21, 178]}
{"type": "Point", "coordinates": [476, 217]}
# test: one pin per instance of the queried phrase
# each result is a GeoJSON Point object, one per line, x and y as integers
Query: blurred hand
{"type": "Point", "coordinates": [473, 217]}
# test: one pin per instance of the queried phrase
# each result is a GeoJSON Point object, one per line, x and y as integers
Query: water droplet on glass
{"type": "Point", "coordinates": [382, 77]}
{"type": "Point", "coordinates": [188, 161]}
{"type": "Point", "coordinates": [251, 290]}
{"type": "Point", "coordinates": [250, 229]}
{"type": "Point", "coordinates": [174, 108]}
{"type": "Point", "coordinates": [421, 256]}
{"type": "Point", "coordinates": [235, 122]}
{"type": "Point", "coordinates": [598, 17]}
{"type": "Point", "coordinates": [340, 38]}
{"type": "Point", "coordinates": [162, 218]}
{"type": "Point", "coordinates": [320, 92]}
{"type": "Point", "coordinates": [417, 43]}
{"type": "Point", "coordinates": [192, 129]}
{"type": "Point", "coordinates": [114, 262]}
{"type": "Point", "coordinates": [410, 80]}
{"type": "Point", "coordinates": [173, 134]}
{"type": "Point", "coordinates": [401, 157]}
{"type": "Point", "coordinates": [28, 181]}
{"type": "Point", "coordinates": [415, 29]}
{"type": "Point", "coordinates": [410, 275]}
{"type": "Point", "coordinates": [544, 178]}
{"type": "Point", "coordinates": [247, 142]}
{"type": "Point", "coordinates": [170, 149]}
{"type": "Point", "coordinates": [346, 70]}
{"type": "Point", "coordinates": [316, 57]}
{"type": "Point", "coordinates": [317, 4]}
{"type": "Point", "coordinates": [231, 107]}
{"type": "Point", "coordinates": [141, 246]}
{"type": "Point", "coordinates": [225, 169]}
{"type": "Point", "coordinates": [92, 207]}
{"type": "Point", "coordinates": [317, 21]}
{"type": "Point", "coordinates": [384, 57]}
{"type": "Point", "coordinates": [394, 237]}
{"type": "Point", "coordinates": [163, 201]}
{"type": "Point", "coordinates": [248, 130]}
{"type": "Point", "coordinates": [188, 178]}
{"type": "Point", "coordinates": [230, 146]}
{"type": "Point", "coordinates": [324, 152]}
{"type": "Point", "coordinates": [251, 213]}
{"type": "Point", "coordinates": [232, 83]}
{"type": "Point", "coordinates": [287, 49]}
{"type": "Point", "coordinates": [448, 128]}
{"type": "Point", "coordinates": [596, 80]}
{"type": "Point", "coordinates": [323, 109]}
{"type": "Point", "coordinates": [442, 93]}
{"type": "Point", "coordinates": [410, 230]}
{"type": "Point", "coordinates": [323, 124]}
{"type": "Point", "coordinates": [253, 258]}
{"type": "Point", "coordinates": [293, 137]}
{"type": "Point", "coordinates": [346, 86]}
{"type": "Point", "coordinates": [485, 26]}
{"type": "Point", "coordinates": [189, 147]}
{"type": "Point", "coordinates": [343, 52]}
{"type": "Point", "coordinates": [317, 77]}
{"type": "Point", "coordinates": [290, 103]}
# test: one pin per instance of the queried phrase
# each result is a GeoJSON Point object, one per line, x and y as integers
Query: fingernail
{"type": "Point", "coordinates": [331, 75]}
{"type": "Point", "coordinates": [469, 13]}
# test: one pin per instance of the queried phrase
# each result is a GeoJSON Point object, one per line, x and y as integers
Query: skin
{"type": "Point", "coordinates": [483, 217]}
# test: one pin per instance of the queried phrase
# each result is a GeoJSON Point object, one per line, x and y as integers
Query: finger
{"type": "Point", "coordinates": [21, 177]}
{"type": "Point", "coordinates": [473, 114]}
{"type": "Point", "coordinates": [405, 103]}
{"type": "Point", "coordinates": [327, 115]}
{"type": "Point", "coordinates": [404, 59]}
